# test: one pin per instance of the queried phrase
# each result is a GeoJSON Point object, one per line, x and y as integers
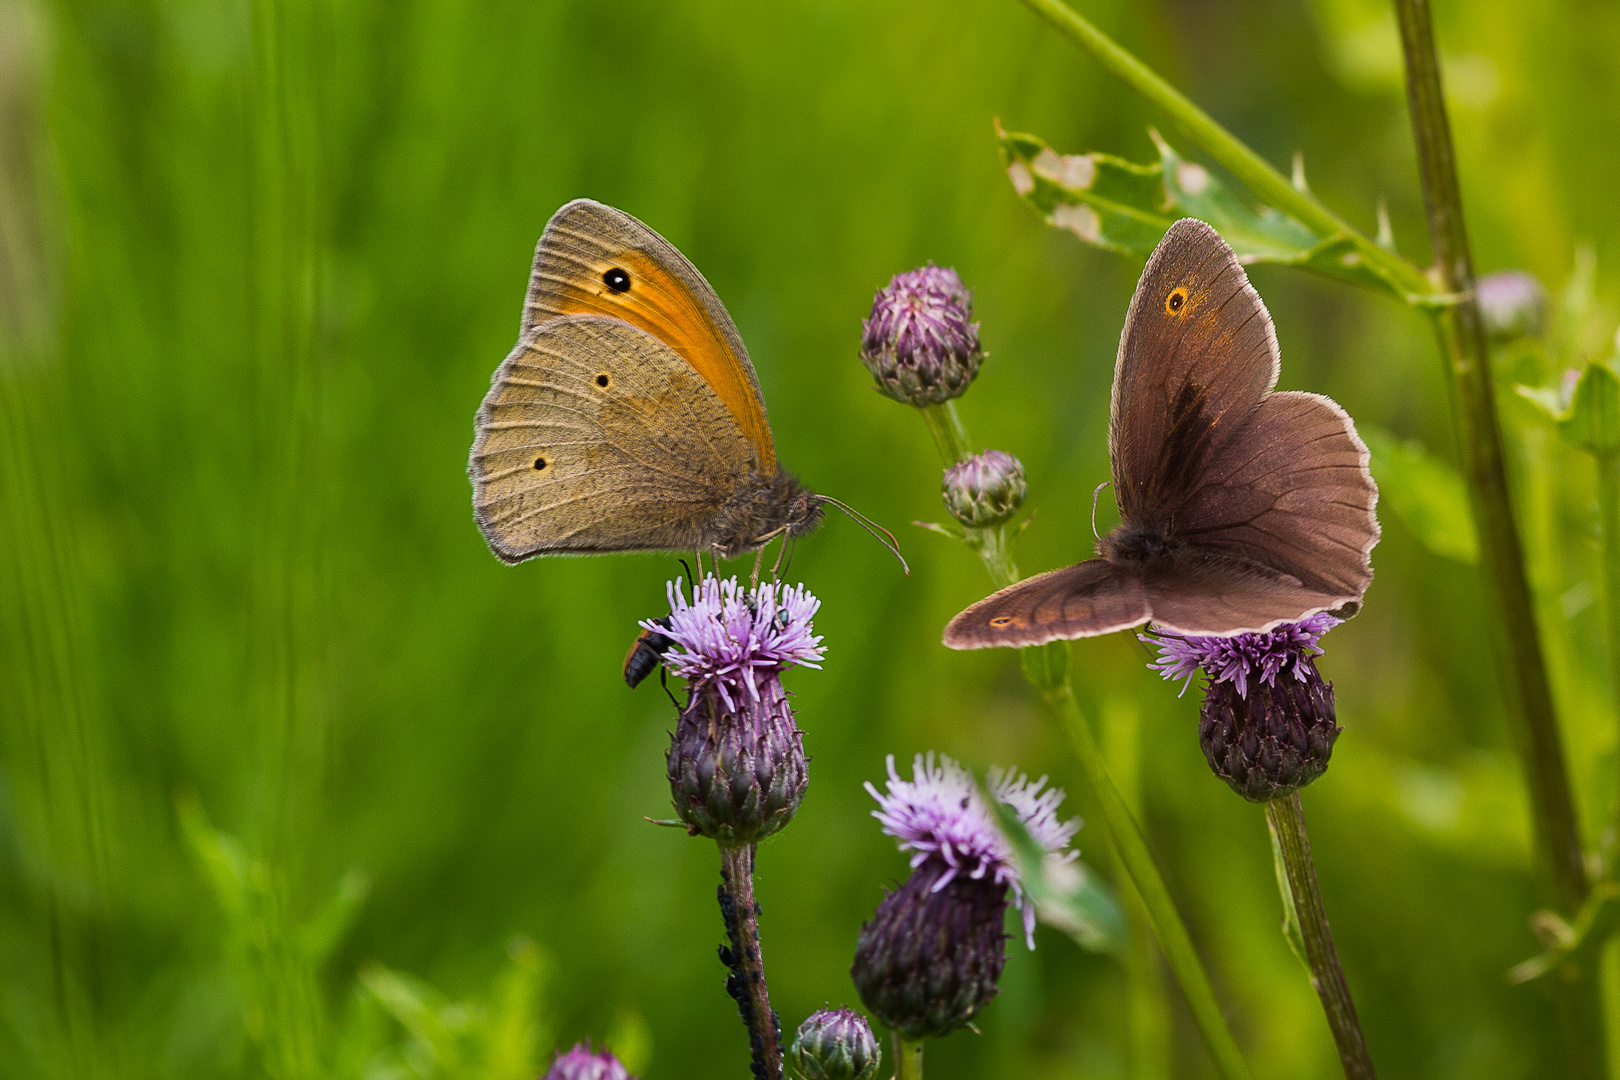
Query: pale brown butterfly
{"type": "Point", "coordinates": [1241, 509]}
{"type": "Point", "coordinates": [628, 417]}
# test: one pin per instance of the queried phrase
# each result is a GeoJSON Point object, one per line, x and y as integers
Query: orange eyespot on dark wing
{"type": "Point", "coordinates": [1001, 620]}
{"type": "Point", "coordinates": [1176, 301]}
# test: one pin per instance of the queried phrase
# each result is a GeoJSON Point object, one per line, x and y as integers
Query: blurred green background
{"type": "Point", "coordinates": [260, 260]}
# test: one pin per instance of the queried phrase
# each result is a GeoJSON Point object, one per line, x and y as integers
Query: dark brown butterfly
{"type": "Point", "coordinates": [1240, 508]}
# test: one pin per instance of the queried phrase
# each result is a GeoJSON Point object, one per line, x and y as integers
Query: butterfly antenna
{"type": "Point", "coordinates": [883, 536]}
{"type": "Point", "coordinates": [1095, 495]}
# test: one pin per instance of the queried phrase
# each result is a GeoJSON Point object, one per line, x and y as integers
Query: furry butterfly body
{"type": "Point", "coordinates": [1241, 509]}
{"type": "Point", "coordinates": [628, 417]}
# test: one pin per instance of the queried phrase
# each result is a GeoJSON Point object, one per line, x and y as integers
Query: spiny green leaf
{"type": "Point", "coordinates": [1068, 897]}
{"type": "Point", "coordinates": [1124, 207]}
{"type": "Point", "coordinates": [1290, 923]}
{"type": "Point", "coordinates": [1593, 420]}
{"type": "Point", "coordinates": [1427, 494]}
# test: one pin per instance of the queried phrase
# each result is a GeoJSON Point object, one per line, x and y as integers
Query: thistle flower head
{"type": "Point", "coordinates": [1243, 658]}
{"type": "Point", "coordinates": [919, 342]}
{"type": "Point", "coordinates": [836, 1044]}
{"type": "Point", "coordinates": [986, 489]}
{"type": "Point", "coordinates": [730, 637]}
{"type": "Point", "coordinates": [940, 814]}
{"type": "Point", "coordinates": [1513, 304]}
{"type": "Point", "coordinates": [581, 1063]}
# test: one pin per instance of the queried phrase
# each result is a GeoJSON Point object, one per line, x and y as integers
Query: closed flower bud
{"type": "Point", "coordinates": [987, 489]}
{"type": "Point", "coordinates": [836, 1044]}
{"type": "Point", "coordinates": [930, 958]}
{"type": "Point", "coordinates": [581, 1063]}
{"type": "Point", "coordinates": [1267, 725]}
{"type": "Point", "coordinates": [736, 763]}
{"type": "Point", "coordinates": [920, 343]}
{"type": "Point", "coordinates": [1513, 304]}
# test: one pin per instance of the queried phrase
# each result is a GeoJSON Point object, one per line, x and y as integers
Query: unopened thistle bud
{"type": "Point", "coordinates": [987, 489]}
{"type": "Point", "coordinates": [1267, 725]}
{"type": "Point", "coordinates": [736, 764]}
{"type": "Point", "coordinates": [920, 343]}
{"type": "Point", "coordinates": [581, 1063]}
{"type": "Point", "coordinates": [1513, 304]}
{"type": "Point", "coordinates": [836, 1044]}
{"type": "Point", "coordinates": [931, 956]}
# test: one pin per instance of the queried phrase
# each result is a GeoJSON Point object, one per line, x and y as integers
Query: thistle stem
{"type": "Point", "coordinates": [950, 437]}
{"type": "Point", "coordinates": [1131, 844]}
{"type": "Point", "coordinates": [1286, 817]}
{"type": "Point", "coordinates": [1046, 667]}
{"type": "Point", "coordinates": [1514, 634]}
{"type": "Point", "coordinates": [1261, 178]}
{"type": "Point", "coordinates": [746, 983]}
{"type": "Point", "coordinates": [908, 1058]}
{"type": "Point", "coordinates": [1608, 485]}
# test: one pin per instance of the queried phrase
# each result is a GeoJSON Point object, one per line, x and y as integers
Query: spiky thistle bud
{"type": "Point", "coordinates": [836, 1044]}
{"type": "Point", "coordinates": [581, 1063]}
{"type": "Point", "coordinates": [920, 343]}
{"type": "Point", "coordinates": [1267, 725]}
{"type": "Point", "coordinates": [736, 763]}
{"type": "Point", "coordinates": [931, 956]}
{"type": "Point", "coordinates": [987, 489]}
{"type": "Point", "coordinates": [1513, 304]}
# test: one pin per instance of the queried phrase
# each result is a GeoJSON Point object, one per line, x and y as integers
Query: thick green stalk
{"type": "Point", "coordinates": [1271, 186]}
{"type": "Point", "coordinates": [908, 1058]}
{"type": "Point", "coordinates": [1131, 844]}
{"type": "Point", "coordinates": [1287, 819]}
{"type": "Point", "coordinates": [1518, 648]}
{"type": "Point", "coordinates": [1608, 485]}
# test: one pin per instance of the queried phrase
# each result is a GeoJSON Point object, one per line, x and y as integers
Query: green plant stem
{"type": "Point", "coordinates": [1047, 669]}
{"type": "Point", "coordinates": [1287, 819]}
{"type": "Point", "coordinates": [1131, 844]}
{"type": "Point", "coordinates": [950, 437]}
{"type": "Point", "coordinates": [1514, 635]}
{"type": "Point", "coordinates": [1608, 485]}
{"type": "Point", "coordinates": [908, 1058]}
{"type": "Point", "coordinates": [1261, 178]}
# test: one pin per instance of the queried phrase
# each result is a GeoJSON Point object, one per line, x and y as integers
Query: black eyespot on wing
{"type": "Point", "coordinates": [540, 463]}
{"type": "Point", "coordinates": [1176, 300]}
{"type": "Point", "coordinates": [617, 279]}
{"type": "Point", "coordinates": [604, 380]}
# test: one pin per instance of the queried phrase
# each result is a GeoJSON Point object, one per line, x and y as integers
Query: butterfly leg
{"type": "Point", "coordinates": [759, 560]}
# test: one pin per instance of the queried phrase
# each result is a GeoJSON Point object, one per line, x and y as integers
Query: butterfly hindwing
{"type": "Point", "coordinates": [1293, 494]}
{"type": "Point", "coordinates": [594, 437]}
{"type": "Point", "coordinates": [596, 260]}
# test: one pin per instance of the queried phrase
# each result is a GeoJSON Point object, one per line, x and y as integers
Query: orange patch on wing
{"type": "Point", "coordinates": [657, 303]}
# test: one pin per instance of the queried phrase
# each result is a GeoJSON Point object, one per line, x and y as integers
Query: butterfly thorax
{"type": "Point", "coordinates": [1139, 544]}
{"type": "Point", "coordinates": [763, 508]}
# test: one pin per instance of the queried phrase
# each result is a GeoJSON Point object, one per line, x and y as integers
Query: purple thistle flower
{"type": "Point", "coordinates": [941, 815]}
{"type": "Point", "coordinates": [581, 1063]}
{"type": "Point", "coordinates": [1237, 659]}
{"type": "Point", "coordinates": [730, 637]}
{"type": "Point", "coordinates": [919, 342]}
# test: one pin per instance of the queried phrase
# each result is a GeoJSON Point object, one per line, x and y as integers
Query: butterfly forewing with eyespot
{"type": "Point", "coordinates": [1240, 508]}
{"type": "Point", "coordinates": [628, 417]}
